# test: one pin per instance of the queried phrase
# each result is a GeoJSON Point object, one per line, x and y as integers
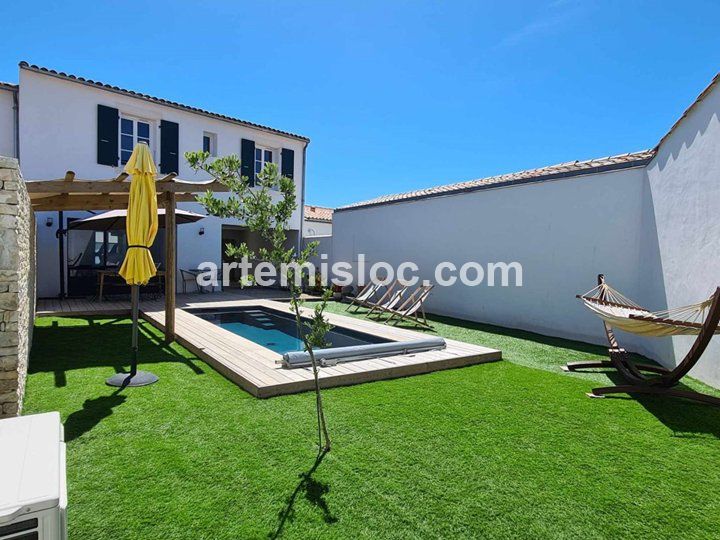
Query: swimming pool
{"type": "Point", "coordinates": [275, 330]}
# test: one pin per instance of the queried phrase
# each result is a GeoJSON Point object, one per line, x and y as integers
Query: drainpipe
{"type": "Point", "coordinates": [302, 199]}
{"type": "Point", "coordinates": [16, 122]}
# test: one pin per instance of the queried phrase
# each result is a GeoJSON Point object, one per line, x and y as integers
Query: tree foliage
{"type": "Point", "coordinates": [266, 208]}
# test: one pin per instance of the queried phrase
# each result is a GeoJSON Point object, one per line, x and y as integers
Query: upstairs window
{"type": "Point", "coordinates": [210, 143]}
{"type": "Point", "coordinates": [132, 131]}
{"type": "Point", "coordinates": [262, 156]}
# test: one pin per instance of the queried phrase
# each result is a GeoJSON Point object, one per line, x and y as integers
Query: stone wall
{"type": "Point", "coordinates": [17, 286]}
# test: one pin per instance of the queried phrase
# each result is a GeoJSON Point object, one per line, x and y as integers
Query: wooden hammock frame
{"type": "Point", "coordinates": [661, 380]}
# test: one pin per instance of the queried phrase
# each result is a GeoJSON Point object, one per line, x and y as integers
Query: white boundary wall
{"type": "Point", "coordinates": [654, 231]}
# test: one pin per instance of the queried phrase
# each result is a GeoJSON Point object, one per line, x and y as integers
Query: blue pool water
{"type": "Point", "coordinates": [275, 330]}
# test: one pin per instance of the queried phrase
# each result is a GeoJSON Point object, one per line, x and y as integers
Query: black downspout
{"type": "Point", "coordinates": [16, 122]}
{"type": "Point", "coordinates": [302, 199]}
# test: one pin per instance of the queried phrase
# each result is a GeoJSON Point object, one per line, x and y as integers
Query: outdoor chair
{"type": "Point", "coordinates": [392, 297]}
{"type": "Point", "coordinates": [412, 309]}
{"type": "Point", "coordinates": [189, 276]}
{"type": "Point", "coordinates": [364, 296]}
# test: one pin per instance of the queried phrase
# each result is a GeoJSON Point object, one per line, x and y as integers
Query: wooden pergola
{"type": "Point", "coordinates": [70, 193]}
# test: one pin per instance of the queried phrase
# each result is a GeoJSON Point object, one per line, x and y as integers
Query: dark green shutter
{"type": "Point", "coordinates": [169, 152]}
{"type": "Point", "coordinates": [107, 136]}
{"type": "Point", "coordinates": [247, 160]}
{"type": "Point", "coordinates": [288, 163]}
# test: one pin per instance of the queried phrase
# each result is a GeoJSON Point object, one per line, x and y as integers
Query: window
{"type": "Point", "coordinates": [210, 143]}
{"type": "Point", "coordinates": [132, 131]}
{"type": "Point", "coordinates": [262, 156]}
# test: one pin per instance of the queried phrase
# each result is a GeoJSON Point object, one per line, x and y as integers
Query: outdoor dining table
{"type": "Point", "coordinates": [114, 272]}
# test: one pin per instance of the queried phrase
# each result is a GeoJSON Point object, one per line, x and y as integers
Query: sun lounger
{"type": "Point", "coordinates": [364, 296]}
{"type": "Point", "coordinates": [392, 297]}
{"type": "Point", "coordinates": [412, 309]}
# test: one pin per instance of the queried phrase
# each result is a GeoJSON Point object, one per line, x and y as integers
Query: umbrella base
{"type": "Point", "coordinates": [141, 378]}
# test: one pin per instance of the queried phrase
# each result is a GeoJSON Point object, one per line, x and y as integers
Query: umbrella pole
{"type": "Point", "coordinates": [135, 306]}
{"type": "Point", "coordinates": [135, 377]}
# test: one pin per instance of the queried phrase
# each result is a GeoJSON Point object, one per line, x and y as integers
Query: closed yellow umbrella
{"type": "Point", "coordinates": [142, 218]}
{"type": "Point", "coordinates": [138, 266]}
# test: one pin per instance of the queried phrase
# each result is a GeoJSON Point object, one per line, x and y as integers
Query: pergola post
{"type": "Point", "coordinates": [170, 263]}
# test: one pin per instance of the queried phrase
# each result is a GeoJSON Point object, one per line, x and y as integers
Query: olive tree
{"type": "Point", "coordinates": [266, 208]}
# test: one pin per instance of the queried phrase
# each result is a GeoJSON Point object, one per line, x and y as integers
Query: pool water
{"type": "Point", "coordinates": [275, 330]}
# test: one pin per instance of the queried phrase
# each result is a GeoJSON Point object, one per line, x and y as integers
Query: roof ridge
{"type": "Point", "coordinates": [687, 111]}
{"type": "Point", "coordinates": [558, 170]}
{"type": "Point", "coordinates": [161, 101]}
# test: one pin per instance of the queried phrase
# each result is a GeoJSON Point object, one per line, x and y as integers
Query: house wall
{"type": "Point", "coordinates": [7, 122]}
{"type": "Point", "coordinates": [58, 132]}
{"type": "Point", "coordinates": [556, 229]}
{"type": "Point", "coordinates": [324, 247]}
{"type": "Point", "coordinates": [317, 228]}
{"type": "Point", "coordinates": [683, 225]}
{"type": "Point", "coordinates": [17, 286]}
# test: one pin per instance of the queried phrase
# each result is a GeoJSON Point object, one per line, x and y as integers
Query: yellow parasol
{"type": "Point", "coordinates": [138, 267]}
{"type": "Point", "coordinates": [142, 218]}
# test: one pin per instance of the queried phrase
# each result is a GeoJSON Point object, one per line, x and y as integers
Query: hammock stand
{"type": "Point", "coordinates": [616, 310]}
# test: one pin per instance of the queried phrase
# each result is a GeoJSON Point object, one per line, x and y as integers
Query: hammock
{"type": "Point", "coordinates": [617, 311]}
{"type": "Point", "coordinates": [622, 313]}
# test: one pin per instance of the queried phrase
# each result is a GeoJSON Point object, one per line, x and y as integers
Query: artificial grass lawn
{"type": "Point", "coordinates": [496, 450]}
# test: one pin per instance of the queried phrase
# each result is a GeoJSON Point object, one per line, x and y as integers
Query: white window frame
{"type": "Point", "coordinates": [135, 119]}
{"type": "Point", "coordinates": [213, 142]}
{"type": "Point", "coordinates": [264, 149]}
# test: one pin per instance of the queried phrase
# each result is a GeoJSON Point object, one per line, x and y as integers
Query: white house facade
{"type": "Point", "coordinates": [54, 122]}
{"type": "Point", "coordinates": [8, 119]}
{"type": "Point", "coordinates": [650, 221]}
{"type": "Point", "coordinates": [317, 221]}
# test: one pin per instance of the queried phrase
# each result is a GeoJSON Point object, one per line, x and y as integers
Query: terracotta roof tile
{"type": "Point", "coordinates": [561, 170]}
{"type": "Point", "coordinates": [160, 101]}
{"type": "Point", "coordinates": [318, 213]}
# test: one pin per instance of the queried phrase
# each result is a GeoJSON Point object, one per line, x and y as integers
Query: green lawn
{"type": "Point", "coordinates": [511, 449]}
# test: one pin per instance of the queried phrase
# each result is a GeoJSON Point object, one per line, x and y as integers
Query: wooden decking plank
{"type": "Point", "coordinates": [222, 348]}
{"type": "Point", "coordinates": [254, 367]}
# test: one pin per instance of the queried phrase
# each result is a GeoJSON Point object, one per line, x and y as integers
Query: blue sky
{"type": "Point", "coordinates": [397, 95]}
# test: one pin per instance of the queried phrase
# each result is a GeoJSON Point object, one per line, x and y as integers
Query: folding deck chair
{"type": "Point", "coordinates": [392, 297]}
{"type": "Point", "coordinates": [412, 309]}
{"type": "Point", "coordinates": [364, 296]}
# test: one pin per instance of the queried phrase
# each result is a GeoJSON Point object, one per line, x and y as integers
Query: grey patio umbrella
{"type": "Point", "coordinates": [114, 220]}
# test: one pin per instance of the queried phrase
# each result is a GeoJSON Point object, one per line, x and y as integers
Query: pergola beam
{"type": "Point", "coordinates": [91, 202]}
{"type": "Point", "coordinates": [167, 184]}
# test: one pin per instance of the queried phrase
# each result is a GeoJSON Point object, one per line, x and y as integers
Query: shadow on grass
{"type": "Point", "coordinates": [93, 412]}
{"type": "Point", "coordinates": [685, 418]}
{"type": "Point", "coordinates": [313, 490]}
{"type": "Point", "coordinates": [97, 342]}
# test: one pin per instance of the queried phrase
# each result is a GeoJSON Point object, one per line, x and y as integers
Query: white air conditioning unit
{"type": "Point", "coordinates": [33, 493]}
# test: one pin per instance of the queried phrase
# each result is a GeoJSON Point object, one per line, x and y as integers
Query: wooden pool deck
{"type": "Point", "coordinates": [255, 369]}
